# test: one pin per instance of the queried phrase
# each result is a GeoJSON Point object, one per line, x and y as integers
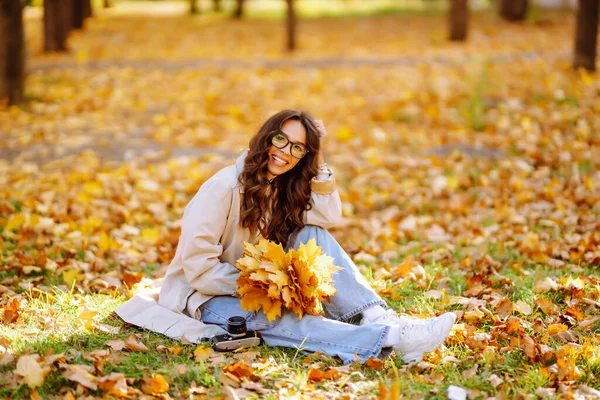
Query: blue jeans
{"type": "Point", "coordinates": [329, 334]}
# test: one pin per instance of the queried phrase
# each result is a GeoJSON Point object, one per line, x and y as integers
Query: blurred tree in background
{"type": "Point", "coordinates": [12, 51]}
{"type": "Point", "coordinates": [60, 17]}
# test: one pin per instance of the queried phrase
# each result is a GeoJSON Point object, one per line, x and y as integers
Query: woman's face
{"type": "Point", "coordinates": [281, 160]}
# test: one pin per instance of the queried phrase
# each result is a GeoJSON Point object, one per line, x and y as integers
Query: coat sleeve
{"type": "Point", "coordinates": [202, 226]}
{"type": "Point", "coordinates": [326, 210]}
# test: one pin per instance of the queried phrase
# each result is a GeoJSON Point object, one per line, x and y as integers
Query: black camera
{"type": "Point", "coordinates": [237, 336]}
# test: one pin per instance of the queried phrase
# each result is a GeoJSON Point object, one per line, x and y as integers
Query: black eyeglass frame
{"type": "Point", "coordinates": [282, 133]}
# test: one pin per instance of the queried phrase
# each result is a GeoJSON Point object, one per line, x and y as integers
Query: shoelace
{"type": "Point", "coordinates": [411, 325]}
{"type": "Point", "coordinates": [389, 314]}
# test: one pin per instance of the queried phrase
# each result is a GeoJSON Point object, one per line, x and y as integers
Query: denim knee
{"type": "Point", "coordinates": [309, 232]}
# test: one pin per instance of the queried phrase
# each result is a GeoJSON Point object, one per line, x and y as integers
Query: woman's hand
{"type": "Point", "coordinates": [320, 128]}
{"type": "Point", "coordinates": [322, 133]}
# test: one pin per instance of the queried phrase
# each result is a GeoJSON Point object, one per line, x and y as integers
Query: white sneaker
{"type": "Point", "coordinates": [419, 336]}
{"type": "Point", "coordinates": [389, 318]}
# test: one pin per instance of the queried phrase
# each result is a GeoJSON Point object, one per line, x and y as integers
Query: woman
{"type": "Point", "coordinates": [281, 189]}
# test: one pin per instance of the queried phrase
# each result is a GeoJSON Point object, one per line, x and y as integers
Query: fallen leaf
{"type": "Point", "coordinates": [12, 311]}
{"type": "Point", "coordinates": [114, 384]}
{"type": "Point", "coordinates": [240, 370]}
{"type": "Point", "coordinates": [545, 392]}
{"type": "Point", "coordinates": [545, 285]}
{"type": "Point", "coordinates": [374, 363]}
{"type": "Point", "coordinates": [155, 385]}
{"type": "Point", "coordinates": [131, 278]}
{"type": "Point", "coordinates": [176, 350]}
{"type": "Point", "coordinates": [522, 307]}
{"type": "Point", "coordinates": [31, 371]}
{"type": "Point", "coordinates": [107, 328]}
{"type": "Point", "coordinates": [72, 275]}
{"type": "Point", "coordinates": [566, 363]}
{"type": "Point", "coordinates": [504, 308]}
{"type": "Point", "coordinates": [547, 306]}
{"type": "Point", "coordinates": [471, 372]}
{"type": "Point", "coordinates": [202, 353]}
{"type": "Point", "coordinates": [495, 381]}
{"type": "Point", "coordinates": [80, 374]}
{"type": "Point", "coordinates": [588, 322]}
{"type": "Point", "coordinates": [116, 344]}
{"type": "Point", "coordinates": [134, 345]}
{"type": "Point", "coordinates": [316, 375]}
{"type": "Point", "coordinates": [86, 317]}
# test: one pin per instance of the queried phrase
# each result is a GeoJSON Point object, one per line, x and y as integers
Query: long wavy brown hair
{"type": "Point", "coordinates": [289, 195]}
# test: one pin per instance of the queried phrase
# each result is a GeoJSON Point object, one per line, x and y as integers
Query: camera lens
{"type": "Point", "coordinates": [236, 326]}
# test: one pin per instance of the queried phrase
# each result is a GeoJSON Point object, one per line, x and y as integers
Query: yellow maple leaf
{"type": "Point", "coordinates": [106, 242]}
{"type": "Point", "coordinates": [86, 317]}
{"type": "Point", "coordinates": [299, 280]}
{"type": "Point", "coordinates": [72, 275]}
{"type": "Point", "coordinates": [202, 353]}
{"type": "Point", "coordinates": [155, 385]}
{"type": "Point", "coordinates": [31, 371]}
{"type": "Point", "coordinates": [151, 235]}
{"type": "Point", "coordinates": [15, 221]}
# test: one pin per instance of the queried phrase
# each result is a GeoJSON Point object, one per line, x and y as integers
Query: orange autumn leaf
{"type": "Point", "coordinates": [403, 269]}
{"type": "Point", "coordinates": [12, 311]}
{"type": "Point", "coordinates": [155, 385]}
{"type": "Point", "coordinates": [316, 375]}
{"type": "Point", "coordinates": [565, 360]}
{"type": "Point", "coordinates": [131, 278]}
{"type": "Point", "coordinates": [392, 394]}
{"type": "Point", "coordinates": [556, 328]}
{"type": "Point", "coordinates": [575, 312]}
{"type": "Point", "coordinates": [547, 306]}
{"type": "Point", "coordinates": [527, 344]}
{"type": "Point", "coordinates": [114, 384]}
{"type": "Point", "coordinates": [374, 363]}
{"type": "Point", "coordinates": [176, 350]}
{"type": "Point", "coordinates": [504, 308]}
{"type": "Point", "coordinates": [240, 370]}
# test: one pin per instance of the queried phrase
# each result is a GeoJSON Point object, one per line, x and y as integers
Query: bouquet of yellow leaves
{"type": "Point", "coordinates": [299, 280]}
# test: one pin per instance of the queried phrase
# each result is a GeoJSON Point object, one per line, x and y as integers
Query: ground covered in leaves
{"type": "Point", "coordinates": [470, 178]}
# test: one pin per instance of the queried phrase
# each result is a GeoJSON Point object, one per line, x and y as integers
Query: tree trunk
{"type": "Point", "coordinates": [107, 4]}
{"type": "Point", "coordinates": [459, 19]}
{"type": "Point", "coordinates": [12, 51]}
{"type": "Point", "coordinates": [57, 24]}
{"type": "Point", "coordinates": [239, 9]}
{"type": "Point", "coordinates": [82, 9]}
{"type": "Point", "coordinates": [513, 10]}
{"type": "Point", "coordinates": [87, 9]}
{"type": "Point", "coordinates": [586, 33]}
{"type": "Point", "coordinates": [194, 7]}
{"type": "Point", "coordinates": [291, 26]}
{"type": "Point", "coordinates": [217, 5]}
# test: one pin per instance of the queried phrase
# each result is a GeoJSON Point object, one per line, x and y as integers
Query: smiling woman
{"type": "Point", "coordinates": [279, 189]}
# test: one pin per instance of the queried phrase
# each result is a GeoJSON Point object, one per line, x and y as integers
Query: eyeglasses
{"type": "Point", "coordinates": [281, 141]}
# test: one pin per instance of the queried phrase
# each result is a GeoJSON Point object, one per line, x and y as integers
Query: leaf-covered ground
{"type": "Point", "coordinates": [470, 177]}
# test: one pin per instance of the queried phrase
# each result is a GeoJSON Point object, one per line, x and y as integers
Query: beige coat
{"type": "Point", "coordinates": [210, 243]}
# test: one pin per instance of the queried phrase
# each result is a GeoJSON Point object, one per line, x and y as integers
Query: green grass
{"type": "Point", "coordinates": [71, 338]}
